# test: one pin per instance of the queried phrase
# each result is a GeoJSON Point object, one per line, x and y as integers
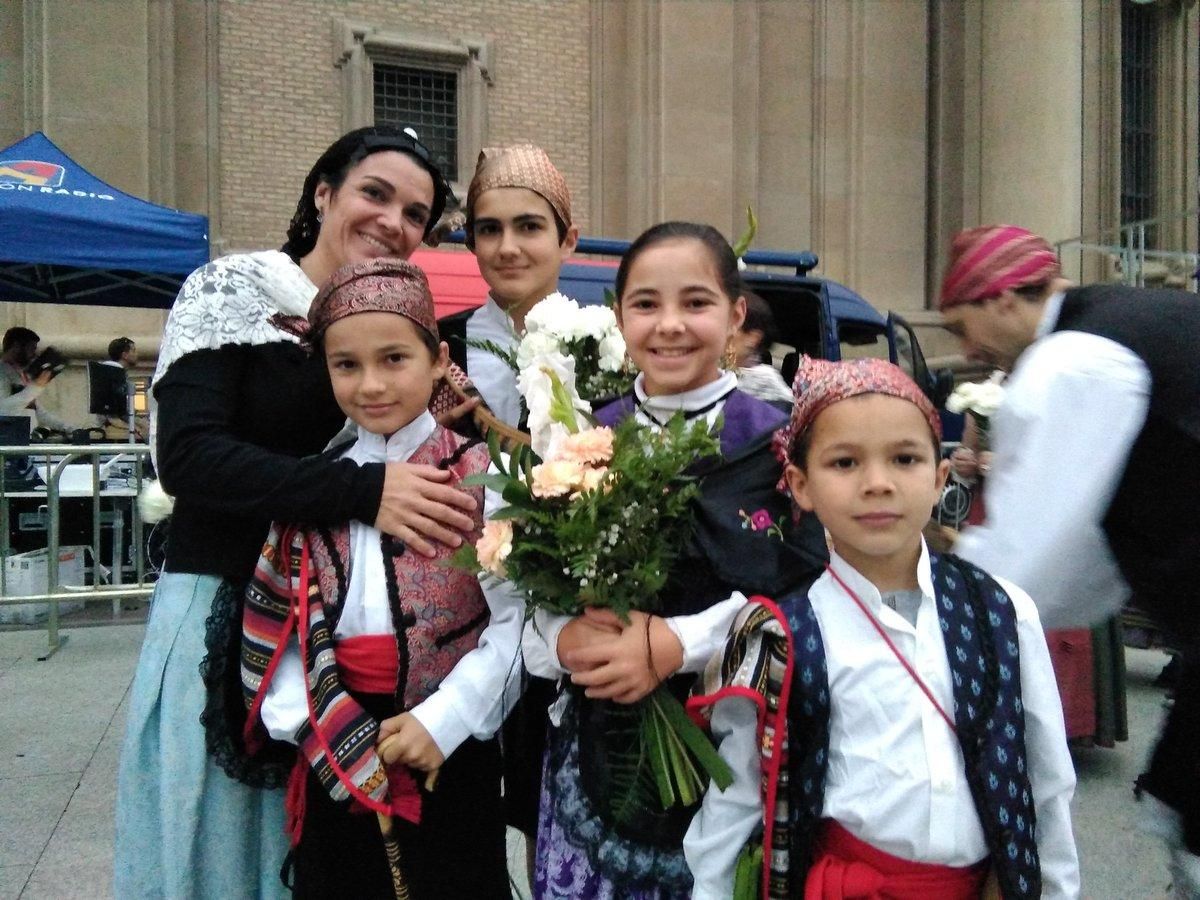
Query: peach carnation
{"type": "Point", "coordinates": [556, 478]}
{"type": "Point", "coordinates": [593, 446]}
{"type": "Point", "coordinates": [592, 479]}
{"type": "Point", "coordinates": [494, 545]}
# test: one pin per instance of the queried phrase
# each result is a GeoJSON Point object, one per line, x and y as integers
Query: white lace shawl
{"type": "Point", "coordinates": [230, 301]}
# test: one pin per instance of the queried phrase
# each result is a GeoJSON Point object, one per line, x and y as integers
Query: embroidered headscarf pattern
{"type": "Point", "coordinates": [820, 383]}
{"type": "Point", "coordinates": [522, 166]}
{"type": "Point", "coordinates": [380, 285]}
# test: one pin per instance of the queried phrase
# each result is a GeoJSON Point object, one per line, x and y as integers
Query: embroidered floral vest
{"type": "Point", "coordinates": [979, 626]}
{"type": "Point", "coordinates": [438, 613]}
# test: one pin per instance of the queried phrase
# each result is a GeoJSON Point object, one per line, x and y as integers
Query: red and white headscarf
{"type": "Point", "coordinates": [820, 383]}
{"type": "Point", "coordinates": [989, 260]}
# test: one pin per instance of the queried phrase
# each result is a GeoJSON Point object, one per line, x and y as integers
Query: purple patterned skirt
{"type": "Point", "coordinates": [578, 858]}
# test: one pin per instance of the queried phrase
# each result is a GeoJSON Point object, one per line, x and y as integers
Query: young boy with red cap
{"type": "Point", "coordinates": [893, 728]}
{"type": "Point", "coordinates": [377, 662]}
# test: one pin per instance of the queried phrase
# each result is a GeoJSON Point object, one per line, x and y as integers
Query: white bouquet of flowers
{"type": "Point", "coordinates": [586, 334]}
{"type": "Point", "coordinates": [586, 337]}
{"type": "Point", "coordinates": [980, 399]}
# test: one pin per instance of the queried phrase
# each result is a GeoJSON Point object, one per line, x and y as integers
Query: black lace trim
{"type": "Point", "coordinates": [224, 714]}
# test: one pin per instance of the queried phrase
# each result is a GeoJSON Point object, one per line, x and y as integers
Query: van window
{"type": "Point", "coordinates": [859, 340]}
{"type": "Point", "coordinates": [905, 358]}
{"type": "Point", "coordinates": [796, 306]}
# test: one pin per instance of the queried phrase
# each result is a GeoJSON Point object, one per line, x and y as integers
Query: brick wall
{"type": "Point", "coordinates": [281, 97]}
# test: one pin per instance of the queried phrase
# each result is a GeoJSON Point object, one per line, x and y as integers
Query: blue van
{"type": "Point", "coordinates": [814, 315]}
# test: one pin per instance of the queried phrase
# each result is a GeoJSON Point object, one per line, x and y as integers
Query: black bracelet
{"type": "Point", "coordinates": [650, 653]}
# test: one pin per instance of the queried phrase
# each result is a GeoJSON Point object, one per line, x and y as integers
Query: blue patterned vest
{"type": "Point", "coordinates": [980, 630]}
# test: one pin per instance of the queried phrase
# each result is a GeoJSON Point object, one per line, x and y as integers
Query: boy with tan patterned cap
{"type": "Point", "coordinates": [519, 228]}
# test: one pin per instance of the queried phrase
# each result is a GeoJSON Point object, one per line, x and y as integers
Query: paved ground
{"type": "Point", "coordinates": [62, 719]}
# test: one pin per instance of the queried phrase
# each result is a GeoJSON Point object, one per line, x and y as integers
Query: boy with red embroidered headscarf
{"type": "Point", "coordinates": [410, 660]}
{"type": "Point", "coordinates": [893, 726]}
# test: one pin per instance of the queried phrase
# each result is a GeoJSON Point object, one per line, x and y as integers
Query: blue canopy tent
{"type": "Point", "coordinates": [67, 237]}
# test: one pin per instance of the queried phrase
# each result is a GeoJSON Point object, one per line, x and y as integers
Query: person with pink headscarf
{"type": "Point", "coordinates": [1093, 491]}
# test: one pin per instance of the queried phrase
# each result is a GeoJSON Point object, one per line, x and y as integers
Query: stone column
{"type": "Point", "coordinates": [1030, 112]}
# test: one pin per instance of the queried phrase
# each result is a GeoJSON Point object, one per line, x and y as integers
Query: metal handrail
{"type": "Point", "coordinates": [1131, 246]}
{"type": "Point", "coordinates": [57, 457]}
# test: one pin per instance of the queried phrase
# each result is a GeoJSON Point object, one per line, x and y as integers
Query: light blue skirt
{"type": "Point", "coordinates": [184, 828]}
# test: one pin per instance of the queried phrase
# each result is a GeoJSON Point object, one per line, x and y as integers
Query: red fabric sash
{"type": "Point", "coordinates": [846, 868]}
{"type": "Point", "coordinates": [368, 663]}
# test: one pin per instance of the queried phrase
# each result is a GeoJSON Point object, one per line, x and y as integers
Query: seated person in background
{"type": "Point", "coordinates": [122, 354]}
{"type": "Point", "coordinates": [756, 376]}
{"type": "Point", "coordinates": [20, 348]}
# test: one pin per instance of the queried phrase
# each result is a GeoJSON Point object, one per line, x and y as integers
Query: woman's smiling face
{"type": "Point", "coordinates": [675, 316]}
{"type": "Point", "coordinates": [380, 210]}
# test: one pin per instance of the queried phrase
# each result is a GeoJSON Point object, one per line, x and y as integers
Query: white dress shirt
{"type": "Point", "coordinates": [701, 634]}
{"type": "Point", "coordinates": [1073, 407]}
{"type": "Point", "coordinates": [896, 776]}
{"type": "Point", "coordinates": [478, 692]}
{"type": "Point", "coordinates": [493, 377]}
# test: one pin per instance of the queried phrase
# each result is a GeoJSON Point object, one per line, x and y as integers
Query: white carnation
{"type": "Point", "coordinates": [535, 344]}
{"type": "Point", "coordinates": [982, 399]}
{"type": "Point", "coordinates": [154, 503]}
{"type": "Point", "coordinates": [594, 322]}
{"type": "Point", "coordinates": [988, 399]}
{"type": "Point", "coordinates": [553, 315]}
{"type": "Point", "coordinates": [612, 351]}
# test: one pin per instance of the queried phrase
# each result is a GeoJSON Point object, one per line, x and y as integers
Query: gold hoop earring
{"type": "Point", "coordinates": [730, 356]}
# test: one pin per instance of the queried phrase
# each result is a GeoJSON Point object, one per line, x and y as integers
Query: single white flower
{"type": "Point", "coordinates": [612, 351]}
{"type": "Point", "coordinates": [535, 344]}
{"type": "Point", "coordinates": [593, 322]}
{"type": "Point", "coordinates": [154, 503]}
{"type": "Point", "coordinates": [983, 399]}
{"type": "Point", "coordinates": [988, 398]}
{"type": "Point", "coordinates": [535, 386]}
{"type": "Point", "coordinates": [553, 314]}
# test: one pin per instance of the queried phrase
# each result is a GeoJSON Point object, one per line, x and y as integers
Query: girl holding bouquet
{"type": "Point", "coordinates": [679, 309]}
{"type": "Point", "coordinates": [414, 660]}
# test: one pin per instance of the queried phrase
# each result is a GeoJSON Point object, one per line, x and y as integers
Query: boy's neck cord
{"type": "Point", "coordinates": [895, 650]}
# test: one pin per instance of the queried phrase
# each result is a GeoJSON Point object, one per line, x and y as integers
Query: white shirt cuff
{"type": "Point", "coordinates": [436, 713]}
{"type": "Point", "coordinates": [703, 634]}
{"type": "Point", "coordinates": [285, 707]}
{"type": "Point", "coordinates": [539, 644]}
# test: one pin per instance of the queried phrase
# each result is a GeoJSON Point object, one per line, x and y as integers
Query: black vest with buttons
{"type": "Point", "coordinates": [1152, 524]}
{"type": "Point", "coordinates": [979, 626]}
